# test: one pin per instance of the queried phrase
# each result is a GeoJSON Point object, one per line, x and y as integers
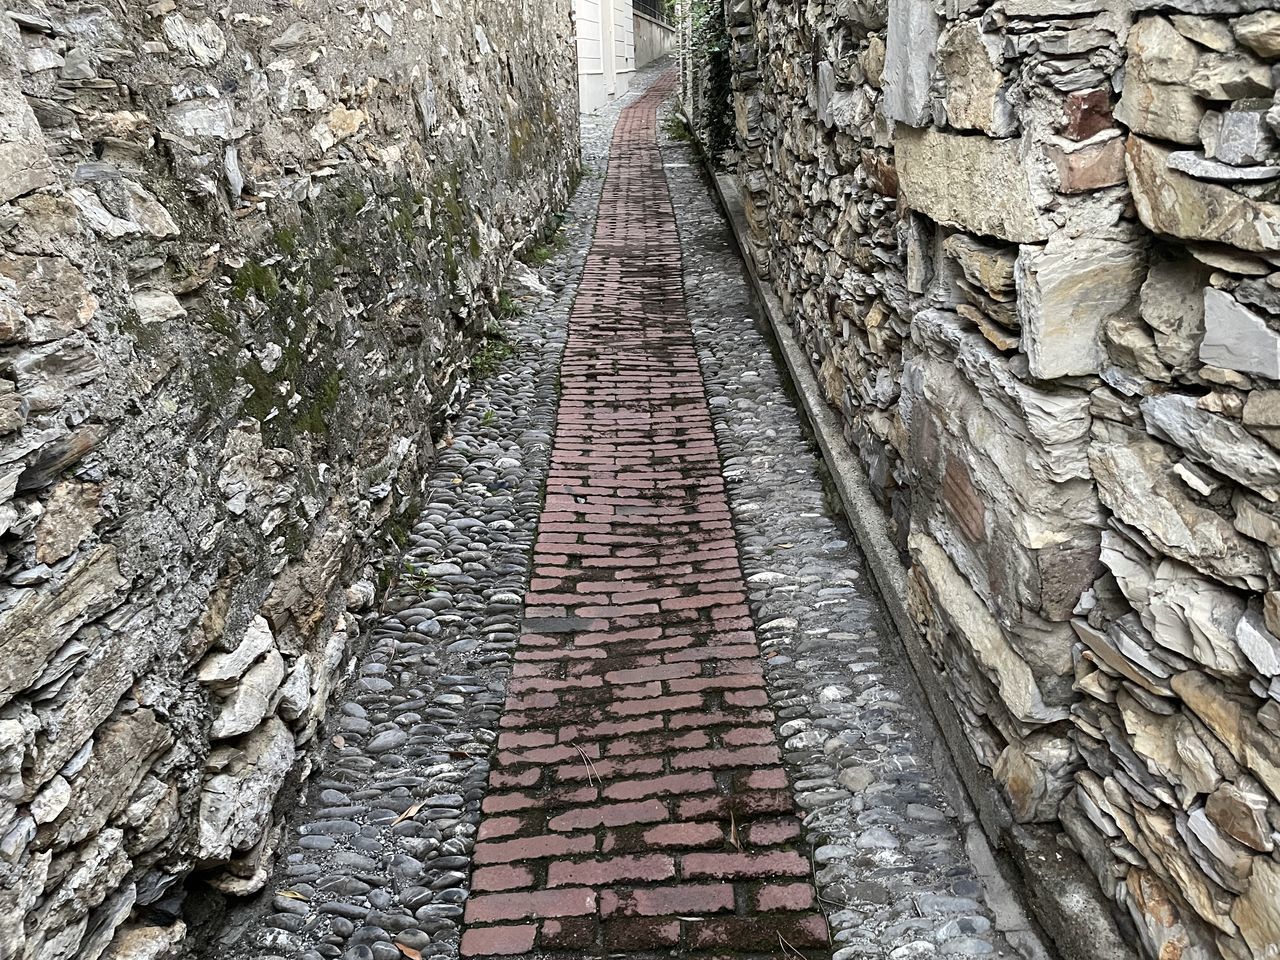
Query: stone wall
{"type": "Point", "coordinates": [251, 255]}
{"type": "Point", "coordinates": [1033, 250]}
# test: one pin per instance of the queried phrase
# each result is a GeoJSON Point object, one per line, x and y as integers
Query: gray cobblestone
{"type": "Point", "coordinates": [384, 833]}
{"type": "Point", "coordinates": [891, 866]}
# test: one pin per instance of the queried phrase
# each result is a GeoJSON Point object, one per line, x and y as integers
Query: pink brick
{"type": "Point", "coordinates": [747, 736]}
{"type": "Point", "coordinates": [494, 879]}
{"type": "Point", "coordinates": [726, 757]}
{"type": "Point", "coordinates": [779, 863]}
{"type": "Point", "coordinates": [609, 815]}
{"type": "Point", "coordinates": [682, 783]}
{"type": "Point", "coordinates": [784, 896]}
{"type": "Point", "coordinates": [689, 835]}
{"type": "Point", "coordinates": [647, 674]}
{"type": "Point", "coordinates": [597, 873]}
{"type": "Point", "coordinates": [505, 941]}
{"type": "Point", "coordinates": [570, 902]}
{"type": "Point", "coordinates": [768, 833]}
{"type": "Point", "coordinates": [666, 901]}
{"type": "Point", "coordinates": [492, 827]}
{"type": "Point", "coordinates": [531, 848]}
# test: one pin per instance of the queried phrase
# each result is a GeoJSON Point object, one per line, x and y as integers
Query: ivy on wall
{"type": "Point", "coordinates": [709, 53]}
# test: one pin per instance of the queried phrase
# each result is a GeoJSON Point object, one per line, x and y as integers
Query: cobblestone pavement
{"type": "Point", "coordinates": [376, 860]}
{"type": "Point", "coordinates": [892, 868]}
{"type": "Point", "coordinates": [607, 764]}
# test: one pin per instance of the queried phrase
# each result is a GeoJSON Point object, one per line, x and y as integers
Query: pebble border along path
{"type": "Point", "coordinates": [893, 869]}
{"type": "Point", "coordinates": [637, 801]}
{"type": "Point", "coordinates": [379, 853]}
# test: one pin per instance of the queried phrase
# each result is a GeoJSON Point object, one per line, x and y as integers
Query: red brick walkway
{"type": "Point", "coordinates": [637, 801]}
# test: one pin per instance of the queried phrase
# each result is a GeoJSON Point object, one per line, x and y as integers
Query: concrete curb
{"type": "Point", "coordinates": [1034, 884]}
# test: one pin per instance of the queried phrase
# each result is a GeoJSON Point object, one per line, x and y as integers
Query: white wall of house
{"type": "Point", "coordinates": [606, 50]}
{"type": "Point", "coordinates": [654, 39]}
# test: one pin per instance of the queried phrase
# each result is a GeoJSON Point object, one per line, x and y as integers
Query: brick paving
{"type": "Point", "coordinates": [637, 802]}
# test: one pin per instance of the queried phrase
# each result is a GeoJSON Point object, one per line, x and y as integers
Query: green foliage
{"type": "Point", "coordinates": [675, 126]}
{"type": "Point", "coordinates": [539, 255]}
{"type": "Point", "coordinates": [508, 309]}
{"type": "Point", "coordinates": [554, 240]}
{"type": "Point", "coordinates": [257, 279]}
{"type": "Point", "coordinates": [416, 578]}
{"type": "Point", "coordinates": [492, 352]}
{"type": "Point", "coordinates": [286, 240]}
{"type": "Point", "coordinates": [709, 47]}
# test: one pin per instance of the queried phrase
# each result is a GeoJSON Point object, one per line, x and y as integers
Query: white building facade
{"type": "Point", "coordinates": [606, 50]}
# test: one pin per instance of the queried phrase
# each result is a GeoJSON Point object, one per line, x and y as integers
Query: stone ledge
{"type": "Point", "coordinates": [1044, 890]}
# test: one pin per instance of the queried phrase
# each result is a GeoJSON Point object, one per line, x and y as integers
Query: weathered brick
{"type": "Point", "coordinates": [640, 933]}
{"type": "Point", "coordinates": [570, 933]}
{"type": "Point", "coordinates": [757, 933]}
{"type": "Point", "coordinates": [611, 769]}
{"type": "Point", "coordinates": [769, 833]}
{"type": "Point", "coordinates": [609, 815]}
{"type": "Point", "coordinates": [745, 805]}
{"type": "Point", "coordinates": [667, 901]}
{"type": "Point", "coordinates": [504, 941]}
{"type": "Point", "coordinates": [509, 802]}
{"type": "Point", "coordinates": [665, 742]}
{"type": "Point", "coordinates": [493, 907]}
{"type": "Point", "coordinates": [747, 736]}
{"type": "Point", "coordinates": [727, 757]}
{"type": "Point", "coordinates": [492, 827]}
{"type": "Point", "coordinates": [783, 896]}
{"type": "Point", "coordinates": [770, 778]}
{"type": "Point", "coordinates": [774, 863]}
{"type": "Point", "coordinates": [598, 873]}
{"type": "Point", "coordinates": [494, 879]}
{"type": "Point", "coordinates": [505, 779]}
{"type": "Point", "coordinates": [690, 835]}
{"type": "Point", "coordinates": [678, 783]}
{"type": "Point", "coordinates": [646, 674]}
{"type": "Point", "coordinates": [685, 701]}
{"type": "Point", "coordinates": [531, 848]}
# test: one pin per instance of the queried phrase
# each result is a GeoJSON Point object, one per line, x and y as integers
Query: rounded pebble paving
{"type": "Point", "coordinates": [892, 871]}
{"type": "Point", "coordinates": [381, 842]}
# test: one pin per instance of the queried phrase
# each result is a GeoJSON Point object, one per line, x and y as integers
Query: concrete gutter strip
{"type": "Point", "coordinates": [1054, 882]}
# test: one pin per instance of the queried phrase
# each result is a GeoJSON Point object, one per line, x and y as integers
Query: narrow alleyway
{"type": "Point", "coordinates": [708, 742]}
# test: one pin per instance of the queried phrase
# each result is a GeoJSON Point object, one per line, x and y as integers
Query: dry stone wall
{"type": "Point", "coordinates": [249, 257]}
{"type": "Point", "coordinates": [1033, 250]}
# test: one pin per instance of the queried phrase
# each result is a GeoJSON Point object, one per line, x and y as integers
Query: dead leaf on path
{"type": "Point", "coordinates": [733, 832]}
{"type": "Point", "coordinates": [410, 952]}
{"type": "Point", "coordinates": [339, 741]}
{"type": "Point", "coordinates": [293, 895]}
{"type": "Point", "coordinates": [409, 815]}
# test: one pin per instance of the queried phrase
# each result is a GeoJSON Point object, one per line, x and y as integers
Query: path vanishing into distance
{"type": "Point", "coordinates": [635, 694]}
